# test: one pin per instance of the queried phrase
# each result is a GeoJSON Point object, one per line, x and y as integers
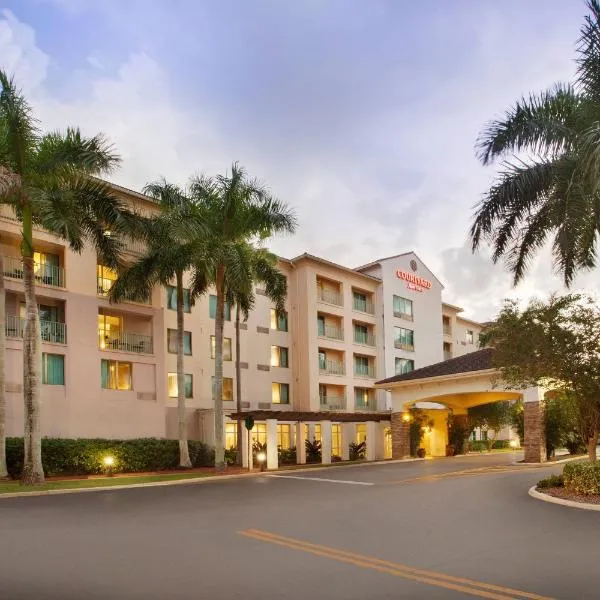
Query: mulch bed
{"type": "Point", "coordinates": [559, 492]}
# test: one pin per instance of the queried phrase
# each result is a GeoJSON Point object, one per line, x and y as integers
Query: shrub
{"type": "Point", "coordinates": [313, 451]}
{"type": "Point", "coordinates": [84, 456]}
{"type": "Point", "coordinates": [477, 446]}
{"type": "Point", "coordinates": [230, 455]}
{"type": "Point", "coordinates": [582, 477]}
{"type": "Point", "coordinates": [357, 451]}
{"type": "Point", "coordinates": [336, 458]}
{"type": "Point", "coordinates": [287, 456]}
{"type": "Point", "coordinates": [551, 482]}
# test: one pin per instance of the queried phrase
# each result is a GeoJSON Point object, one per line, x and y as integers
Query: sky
{"type": "Point", "coordinates": [360, 114]}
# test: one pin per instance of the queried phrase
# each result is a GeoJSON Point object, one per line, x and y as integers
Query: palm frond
{"type": "Point", "coordinates": [588, 51]}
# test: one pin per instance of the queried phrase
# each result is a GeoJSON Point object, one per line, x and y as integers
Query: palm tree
{"type": "Point", "coordinates": [263, 271]}
{"type": "Point", "coordinates": [238, 211]}
{"type": "Point", "coordinates": [174, 240]}
{"type": "Point", "coordinates": [52, 187]}
{"type": "Point", "coordinates": [551, 189]}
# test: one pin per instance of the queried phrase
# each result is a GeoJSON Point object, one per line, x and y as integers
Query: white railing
{"type": "Point", "coordinates": [364, 306]}
{"type": "Point", "coordinates": [369, 404]}
{"type": "Point", "coordinates": [364, 370]}
{"type": "Point", "coordinates": [330, 296]}
{"type": "Point", "coordinates": [125, 342]}
{"type": "Point", "coordinates": [332, 367]}
{"type": "Point", "coordinates": [51, 330]}
{"type": "Point", "coordinates": [332, 402]}
{"type": "Point", "coordinates": [332, 332]}
{"type": "Point", "coordinates": [44, 272]}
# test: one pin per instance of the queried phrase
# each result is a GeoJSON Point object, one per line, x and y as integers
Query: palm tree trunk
{"type": "Point", "coordinates": [184, 453]}
{"type": "Point", "coordinates": [219, 322]}
{"type": "Point", "coordinates": [33, 471]}
{"type": "Point", "coordinates": [591, 447]}
{"type": "Point", "coordinates": [238, 386]}
{"type": "Point", "coordinates": [3, 469]}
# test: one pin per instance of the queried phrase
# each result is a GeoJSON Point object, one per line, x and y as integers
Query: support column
{"type": "Point", "coordinates": [348, 435]}
{"type": "Point", "coordinates": [535, 437]}
{"type": "Point", "coordinates": [311, 432]}
{"type": "Point", "coordinates": [400, 435]}
{"type": "Point", "coordinates": [371, 452]}
{"type": "Point", "coordinates": [326, 442]}
{"type": "Point", "coordinates": [245, 453]}
{"type": "Point", "coordinates": [300, 445]}
{"type": "Point", "coordinates": [380, 439]}
{"type": "Point", "coordinates": [272, 457]}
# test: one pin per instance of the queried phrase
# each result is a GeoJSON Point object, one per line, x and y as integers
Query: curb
{"type": "Point", "coordinates": [198, 480]}
{"type": "Point", "coordinates": [552, 500]}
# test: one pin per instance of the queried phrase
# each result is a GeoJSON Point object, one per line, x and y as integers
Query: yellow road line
{"type": "Point", "coordinates": [460, 584]}
{"type": "Point", "coordinates": [464, 473]}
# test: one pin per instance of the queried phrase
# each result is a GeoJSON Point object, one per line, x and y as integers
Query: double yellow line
{"type": "Point", "coordinates": [458, 474]}
{"type": "Point", "coordinates": [458, 584]}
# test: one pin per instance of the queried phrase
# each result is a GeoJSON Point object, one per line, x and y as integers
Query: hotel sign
{"type": "Point", "coordinates": [413, 282]}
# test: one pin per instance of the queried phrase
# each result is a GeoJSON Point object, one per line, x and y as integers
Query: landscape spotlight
{"type": "Point", "coordinates": [109, 462]}
{"type": "Point", "coordinates": [512, 443]}
{"type": "Point", "coordinates": [261, 457]}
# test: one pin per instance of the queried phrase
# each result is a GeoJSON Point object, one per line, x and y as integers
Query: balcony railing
{"type": "Point", "coordinates": [332, 402]}
{"type": "Point", "coordinates": [447, 329]}
{"type": "Point", "coordinates": [364, 370]}
{"type": "Point", "coordinates": [44, 273]}
{"type": "Point", "coordinates": [367, 339]}
{"type": "Point", "coordinates": [132, 246]}
{"type": "Point", "coordinates": [51, 331]}
{"type": "Point", "coordinates": [125, 342]}
{"type": "Point", "coordinates": [331, 332]}
{"type": "Point", "coordinates": [368, 404]}
{"type": "Point", "coordinates": [332, 367]}
{"type": "Point", "coordinates": [404, 346]}
{"type": "Point", "coordinates": [403, 315]}
{"type": "Point", "coordinates": [364, 306]}
{"type": "Point", "coordinates": [330, 296]}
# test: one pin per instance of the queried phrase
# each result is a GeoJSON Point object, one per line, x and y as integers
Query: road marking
{"type": "Point", "coordinates": [459, 584]}
{"type": "Point", "coordinates": [464, 473]}
{"type": "Point", "coordinates": [322, 479]}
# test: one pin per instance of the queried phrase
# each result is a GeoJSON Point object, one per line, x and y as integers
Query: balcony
{"type": "Point", "coordinates": [125, 342]}
{"type": "Point", "coordinates": [362, 303]}
{"type": "Point", "coordinates": [331, 367]}
{"type": "Point", "coordinates": [330, 296]}
{"type": "Point", "coordinates": [328, 402]}
{"type": "Point", "coordinates": [369, 403]}
{"type": "Point", "coordinates": [366, 338]}
{"type": "Point", "coordinates": [404, 346]}
{"type": "Point", "coordinates": [364, 370]}
{"type": "Point", "coordinates": [331, 332]}
{"type": "Point", "coordinates": [51, 331]}
{"type": "Point", "coordinates": [44, 272]}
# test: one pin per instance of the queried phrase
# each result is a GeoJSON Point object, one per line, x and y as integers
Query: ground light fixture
{"type": "Point", "coordinates": [513, 444]}
{"type": "Point", "coordinates": [261, 457]}
{"type": "Point", "coordinates": [108, 462]}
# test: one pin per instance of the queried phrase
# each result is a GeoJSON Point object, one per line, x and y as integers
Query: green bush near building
{"type": "Point", "coordinates": [482, 445]}
{"type": "Point", "coordinates": [551, 482]}
{"type": "Point", "coordinates": [85, 456]}
{"type": "Point", "coordinates": [582, 477]}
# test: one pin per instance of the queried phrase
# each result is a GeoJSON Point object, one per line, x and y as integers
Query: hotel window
{"type": "Point", "coordinates": [279, 356]}
{"type": "Point", "coordinates": [110, 329]}
{"type": "Point", "coordinates": [284, 436]}
{"type": "Point", "coordinates": [212, 308]}
{"type": "Point", "coordinates": [322, 360]}
{"type": "Point", "coordinates": [403, 307]}
{"type": "Point", "coordinates": [105, 277]}
{"type": "Point", "coordinates": [227, 389]}
{"type": "Point", "coordinates": [226, 347]}
{"type": "Point", "coordinates": [231, 435]}
{"type": "Point", "coordinates": [404, 338]}
{"type": "Point", "coordinates": [46, 268]}
{"type": "Point", "coordinates": [361, 333]}
{"type": "Point", "coordinates": [318, 432]}
{"type": "Point", "coordinates": [172, 299]}
{"type": "Point", "coordinates": [469, 336]}
{"type": "Point", "coordinates": [279, 321]}
{"type": "Point", "coordinates": [363, 398]}
{"type": "Point", "coordinates": [362, 365]}
{"type": "Point", "coordinates": [336, 439]}
{"type": "Point", "coordinates": [53, 369]}
{"type": "Point", "coordinates": [172, 342]}
{"type": "Point", "coordinates": [116, 375]}
{"type": "Point", "coordinates": [404, 365]}
{"type": "Point", "coordinates": [259, 433]}
{"type": "Point", "coordinates": [320, 325]}
{"type": "Point", "coordinates": [360, 301]}
{"type": "Point", "coordinates": [280, 393]}
{"type": "Point", "coordinates": [361, 433]}
{"type": "Point", "coordinates": [188, 385]}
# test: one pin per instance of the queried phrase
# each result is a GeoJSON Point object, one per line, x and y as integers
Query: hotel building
{"type": "Point", "coordinates": [109, 369]}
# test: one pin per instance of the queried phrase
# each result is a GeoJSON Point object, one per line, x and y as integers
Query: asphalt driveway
{"type": "Point", "coordinates": [448, 528]}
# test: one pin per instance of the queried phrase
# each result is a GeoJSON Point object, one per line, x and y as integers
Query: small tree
{"type": "Point", "coordinates": [492, 418]}
{"type": "Point", "coordinates": [554, 344]}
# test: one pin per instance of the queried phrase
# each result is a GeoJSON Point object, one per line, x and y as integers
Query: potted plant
{"type": "Point", "coordinates": [421, 453]}
{"type": "Point", "coordinates": [450, 450]}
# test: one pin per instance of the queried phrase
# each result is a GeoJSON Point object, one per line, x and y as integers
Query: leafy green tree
{"type": "Point", "coordinates": [175, 244]}
{"type": "Point", "coordinates": [492, 417]}
{"type": "Point", "coordinates": [548, 186]}
{"type": "Point", "coordinates": [554, 344]}
{"type": "Point", "coordinates": [51, 186]}
{"type": "Point", "coordinates": [238, 211]}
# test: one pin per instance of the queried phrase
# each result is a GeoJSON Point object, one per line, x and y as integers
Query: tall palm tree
{"type": "Point", "coordinates": [238, 210]}
{"type": "Point", "coordinates": [174, 240]}
{"type": "Point", "coordinates": [53, 188]}
{"type": "Point", "coordinates": [548, 187]}
{"type": "Point", "coordinates": [264, 271]}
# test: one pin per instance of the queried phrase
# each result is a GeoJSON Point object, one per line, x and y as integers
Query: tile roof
{"type": "Point", "coordinates": [479, 360]}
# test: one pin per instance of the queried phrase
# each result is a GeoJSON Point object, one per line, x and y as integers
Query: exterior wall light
{"type": "Point", "coordinates": [406, 417]}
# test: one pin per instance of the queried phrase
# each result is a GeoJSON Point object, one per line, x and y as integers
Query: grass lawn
{"type": "Point", "coordinates": [8, 487]}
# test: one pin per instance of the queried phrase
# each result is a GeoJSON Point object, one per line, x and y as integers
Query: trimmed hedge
{"type": "Point", "coordinates": [582, 477]}
{"type": "Point", "coordinates": [482, 445]}
{"type": "Point", "coordinates": [84, 456]}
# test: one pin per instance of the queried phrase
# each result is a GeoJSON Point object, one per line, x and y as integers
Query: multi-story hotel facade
{"type": "Point", "coordinates": [109, 369]}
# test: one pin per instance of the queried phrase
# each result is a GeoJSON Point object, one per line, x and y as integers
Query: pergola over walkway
{"type": "Point", "coordinates": [460, 383]}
